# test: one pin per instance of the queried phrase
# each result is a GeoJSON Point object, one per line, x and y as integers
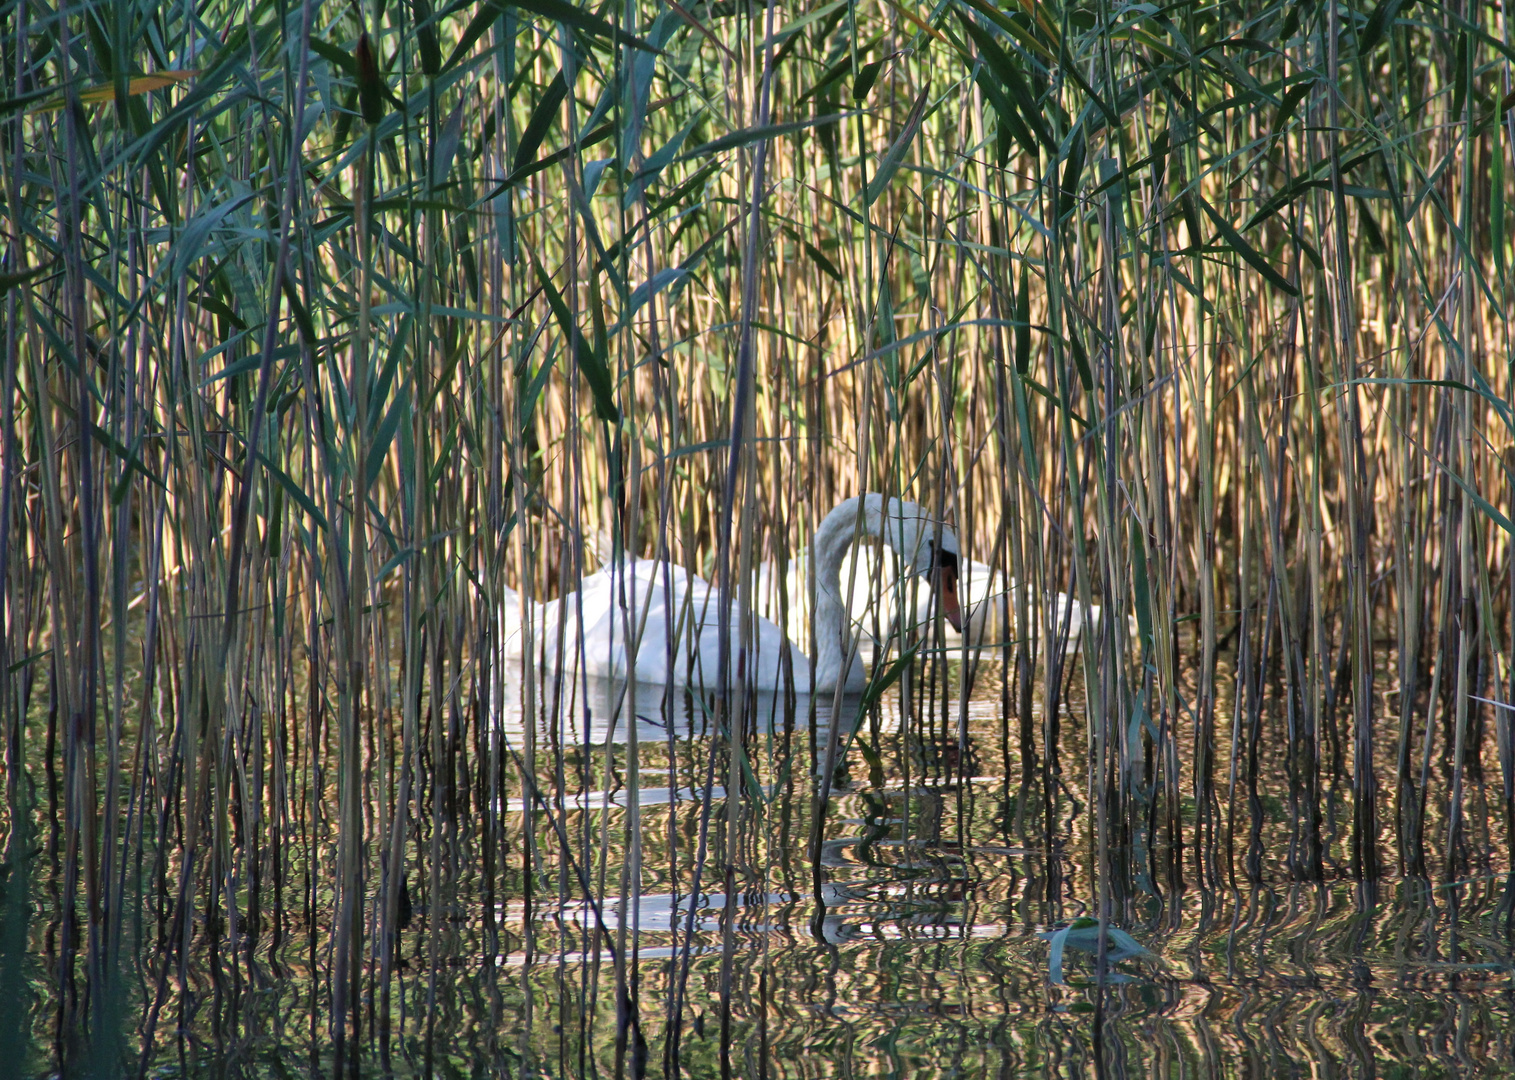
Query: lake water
{"type": "Point", "coordinates": [611, 918]}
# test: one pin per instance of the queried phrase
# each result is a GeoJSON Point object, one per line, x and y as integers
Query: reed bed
{"type": "Point", "coordinates": [1197, 313]}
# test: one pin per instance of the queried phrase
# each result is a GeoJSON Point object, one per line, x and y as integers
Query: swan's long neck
{"type": "Point", "coordinates": [833, 632]}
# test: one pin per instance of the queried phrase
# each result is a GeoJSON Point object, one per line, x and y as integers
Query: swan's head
{"type": "Point", "coordinates": [928, 548]}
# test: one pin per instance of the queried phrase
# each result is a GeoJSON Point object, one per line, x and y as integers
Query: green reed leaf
{"type": "Point", "coordinates": [19, 278]}
{"type": "Point", "coordinates": [1238, 244]}
{"type": "Point", "coordinates": [889, 164]}
{"type": "Point", "coordinates": [818, 257]}
{"type": "Point", "coordinates": [747, 136]}
{"type": "Point", "coordinates": [1007, 71]}
{"type": "Point", "coordinates": [590, 364]}
{"type": "Point", "coordinates": [378, 448]}
{"type": "Point", "coordinates": [866, 77]}
{"type": "Point", "coordinates": [294, 490]}
{"type": "Point", "coordinates": [579, 19]}
{"type": "Point", "coordinates": [542, 117]}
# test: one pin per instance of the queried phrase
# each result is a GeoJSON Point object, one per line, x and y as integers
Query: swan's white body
{"type": "Point", "coordinates": [673, 616]}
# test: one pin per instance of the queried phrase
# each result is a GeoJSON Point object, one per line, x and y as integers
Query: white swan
{"type": "Point", "coordinates": [675, 615]}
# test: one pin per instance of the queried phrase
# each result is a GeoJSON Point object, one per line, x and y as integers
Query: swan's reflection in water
{"type": "Point", "coordinates": [889, 872]}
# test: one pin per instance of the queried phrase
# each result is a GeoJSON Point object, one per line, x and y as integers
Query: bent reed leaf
{"type": "Point", "coordinates": [1238, 244]}
{"type": "Point", "coordinates": [889, 164]}
{"type": "Point", "coordinates": [590, 363]}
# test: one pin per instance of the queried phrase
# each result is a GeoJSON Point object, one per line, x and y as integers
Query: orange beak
{"type": "Point", "coordinates": [946, 584]}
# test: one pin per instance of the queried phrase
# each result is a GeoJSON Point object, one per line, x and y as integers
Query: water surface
{"type": "Point", "coordinates": [602, 913]}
